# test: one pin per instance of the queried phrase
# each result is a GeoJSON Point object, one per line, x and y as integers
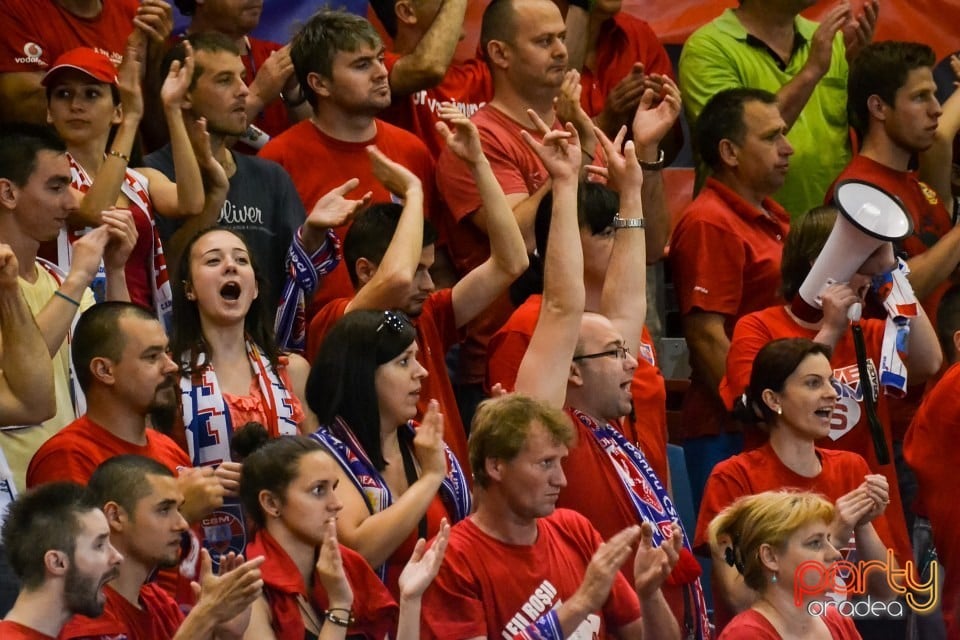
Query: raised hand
{"type": "Point", "coordinates": [623, 170]}
{"type": "Point", "coordinates": [858, 32]}
{"type": "Point", "coordinates": [428, 442]}
{"type": "Point", "coordinates": [604, 566]}
{"type": "Point", "coordinates": [122, 237]}
{"type": "Point", "coordinates": [424, 564]}
{"type": "Point", "coordinates": [214, 175]}
{"type": "Point", "coordinates": [623, 99]}
{"type": "Point", "coordinates": [330, 569]}
{"type": "Point", "coordinates": [9, 268]}
{"type": "Point", "coordinates": [656, 113]}
{"type": "Point", "coordinates": [202, 492]}
{"type": "Point", "coordinates": [652, 565]}
{"type": "Point", "coordinates": [155, 19]}
{"type": "Point", "coordinates": [393, 175]}
{"type": "Point", "coordinates": [460, 134]}
{"type": "Point", "coordinates": [87, 254]}
{"type": "Point", "coordinates": [821, 45]}
{"type": "Point", "coordinates": [272, 75]}
{"type": "Point", "coordinates": [228, 473]}
{"type": "Point", "coordinates": [559, 150]}
{"type": "Point", "coordinates": [334, 209]}
{"type": "Point", "coordinates": [178, 80]}
{"type": "Point", "coordinates": [227, 597]}
{"type": "Point", "coordinates": [128, 77]}
{"type": "Point", "coordinates": [568, 108]}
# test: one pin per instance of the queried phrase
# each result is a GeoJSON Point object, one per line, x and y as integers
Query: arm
{"type": "Point", "coordinates": [546, 365]}
{"type": "Point", "coordinates": [937, 161]}
{"type": "Point", "coordinates": [508, 255]}
{"type": "Point", "coordinates": [186, 196]}
{"type": "Point", "coordinates": [388, 286]}
{"type": "Point", "coordinates": [426, 65]}
{"type": "Point", "coordinates": [792, 97]}
{"type": "Point", "coordinates": [298, 369]}
{"type": "Point", "coordinates": [122, 236]}
{"type": "Point", "coordinates": [26, 371]}
{"type": "Point", "coordinates": [524, 206]}
{"type": "Point", "coordinates": [928, 270]}
{"type": "Point", "coordinates": [377, 536]}
{"type": "Point", "coordinates": [708, 344]}
{"type": "Point", "coordinates": [924, 355]}
{"type": "Point", "coordinates": [624, 297]}
{"type": "Point", "coordinates": [420, 571]}
{"type": "Point", "coordinates": [260, 621]}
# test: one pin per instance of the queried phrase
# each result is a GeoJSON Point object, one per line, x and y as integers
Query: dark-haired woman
{"type": "Point", "coordinates": [776, 533]}
{"type": "Point", "coordinates": [400, 480]}
{"type": "Point", "coordinates": [313, 586]}
{"type": "Point", "coordinates": [231, 371]}
{"type": "Point", "coordinates": [792, 395]}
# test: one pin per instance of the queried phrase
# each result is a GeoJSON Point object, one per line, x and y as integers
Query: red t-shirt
{"type": "Point", "coordinates": [623, 40]}
{"type": "Point", "coordinates": [725, 256]}
{"type": "Point", "coordinates": [519, 171]}
{"type": "Point", "coordinates": [752, 625]}
{"type": "Point", "coordinates": [437, 332]}
{"type": "Point", "coordinates": [375, 611]}
{"type": "Point", "coordinates": [649, 431]}
{"type": "Point", "coordinates": [761, 470]}
{"type": "Point", "coordinates": [931, 220]}
{"type": "Point", "coordinates": [157, 618]}
{"type": "Point", "coordinates": [468, 84]}
{"type": "Point", "coordinates": [317, 163]}
{"type": "Point", "coordinates": [36, 32]}
{"type": "Point", "coordinates": [849, 429]}
{"type": "Point", "coordinates": [10, 630]}
{"type": "Point", "coordinates": [930, 449]}
{"type": "Point", "coordinates": [490, 588]}
{"type": "Point", "coordinates": [77, 450]}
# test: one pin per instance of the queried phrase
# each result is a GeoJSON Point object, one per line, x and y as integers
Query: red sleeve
{"type": "Point", "coordinates": [60, 462]}
{"type": "Point", "coordinates": [440, 307]}
{"type": "Point", "coordinates": [708, 264]}
{"type": "Point", "coordinates": [452, 604]}
{"type": "Point", "coordinates": [456, 185]}
{"type": "Point", "coordinates": [749, 336]}
{"type": "Point", "coordinates": [321, 324]}
{"type": "Point", "coordinates": [723, 487]}
{"type": "Point", "coordinates": [749, 625]}
{"type": "Point", "coordinates": [504, 354]}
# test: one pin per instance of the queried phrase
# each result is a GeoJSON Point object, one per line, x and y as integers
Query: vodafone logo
{"type": "Point", "coordinates": [31, 54]}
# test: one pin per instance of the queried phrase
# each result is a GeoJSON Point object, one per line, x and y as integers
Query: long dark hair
{"type": "Point", "coordinates": [187, 334]}
{"type": "Point", "coordinates": [341, 381]}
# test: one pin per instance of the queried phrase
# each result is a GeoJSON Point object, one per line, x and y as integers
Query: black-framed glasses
{"type": "Point", "coordinates": [394, 320]}
{"type": "Point", "coordinates": [620, 352]}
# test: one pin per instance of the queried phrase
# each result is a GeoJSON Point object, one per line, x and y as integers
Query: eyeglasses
{"type": "Point", "coordinates": [620, 352]}
{"type": "Point", "coordinates": [393, 320]}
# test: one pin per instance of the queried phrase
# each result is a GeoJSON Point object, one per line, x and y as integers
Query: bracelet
{"type": "Point", "coordinates": [117, 154]}
{"type": "Point", "coordinates": [628, 223]}
{"type": "Point", "coordinates": [652, 166]}
{"type": "Point", "coordinates": [66, 297]}
{"type": "Point", "coordinates": [291, 102]}
{"type": "Point", "coordinates": [337, 620]}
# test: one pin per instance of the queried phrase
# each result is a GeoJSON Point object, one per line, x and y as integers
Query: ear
{"type": "Point", "coordinates": [117, 114]}
{"type": "Point", "coordinates": [56, 562]}
{"type": "Point", "coordinates": [956, 345]}
{"type": "Point", "coordinates": [498, 53]}
{"type": "Point", "coordinates": [405, 12]}
{"type": "Point", "coordinates": [576, 376]}
{"type": "Point", "coordinates": [270, 503]}
{"type": "Point", "coordinates": [116, 515]}
{"type": "Point", "coordinates": [494, 468]}
{"type": "Point", "coordinates": [768, 558]}
{"type": "Point", "coordinates": [769, 398]}
{"type": "Point", "coordinates": [877, 108]}
{"type": "Point", "coordinates": [8, 194]}
{"type": "Point", "coordinates": [319, 84]}
{"type": "Point", "coordinates": [188, 291]}
{"type": "Point", "coordinates": [103, 370]}
{"type": "Point", "coordinates": [366, 269]}
{"type": "Point", "coordinates": [728, 152]}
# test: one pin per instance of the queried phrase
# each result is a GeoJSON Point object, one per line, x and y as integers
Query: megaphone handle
{"type": "Point", "coordinates": [866, 387]}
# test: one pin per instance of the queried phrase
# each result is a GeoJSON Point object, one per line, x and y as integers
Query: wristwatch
{"type": "Point", "coordinates": [628, 223]}
{"type": "Point", "coordinates": [652, 166]}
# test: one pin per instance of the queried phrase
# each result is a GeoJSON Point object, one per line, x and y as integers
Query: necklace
{"type": "Point", "coordinates": [310, 619]}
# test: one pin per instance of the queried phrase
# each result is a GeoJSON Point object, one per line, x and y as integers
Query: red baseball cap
{"type": "Point", "coordinates": [93, 63]}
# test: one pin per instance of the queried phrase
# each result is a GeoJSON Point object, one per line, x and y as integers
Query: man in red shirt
{"type": "Point", "coordinates": [59, 546]}
{"type": "Point", "coordinates": [389, 254]}
{"type": "Point", "coordinates": [725, 255]}
{"type": "Point", "coordinates": [338, 59]}
{"type": "Point", "coordinates": [35, 33]}
{"type": "Point", "coordinates": [141, 501]}
{"type": "Point", "coordinates": [584, 362]}
{"type": "Point", "coordinates": [120, 354]}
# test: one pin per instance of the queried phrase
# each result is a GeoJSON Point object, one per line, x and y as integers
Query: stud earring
{"type": "Point", "coordinates": [779, 411]}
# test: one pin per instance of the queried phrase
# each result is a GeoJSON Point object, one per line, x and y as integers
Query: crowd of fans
{"type": "Point", "coordinates": [343, 339]}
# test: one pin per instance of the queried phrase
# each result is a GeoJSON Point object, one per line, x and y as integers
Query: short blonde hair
{"type": "Point", "coordinates": [501, 426]}
{"type": "Point", "coordinates": [765, 518]}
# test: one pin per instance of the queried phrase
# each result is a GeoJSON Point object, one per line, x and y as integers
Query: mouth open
{"type": "Point", "coordinates": [824, 412]}
{"type": "Point", "coordinates": [230, 291]}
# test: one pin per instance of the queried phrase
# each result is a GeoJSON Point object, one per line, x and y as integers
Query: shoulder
{"type": "Point", "coordinates": [751, 625]}
{"type": "Point", "coordinates": [410, 145]}
{"type": "Point", "coordinates": [167, 450]}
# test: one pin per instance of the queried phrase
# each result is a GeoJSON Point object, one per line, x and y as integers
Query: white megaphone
{"type": "Point", "coordinates": [869, 216]}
